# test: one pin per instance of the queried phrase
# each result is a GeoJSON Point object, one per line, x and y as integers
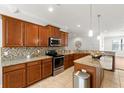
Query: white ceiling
{"type": "Point", "coordinates": [70, 15]}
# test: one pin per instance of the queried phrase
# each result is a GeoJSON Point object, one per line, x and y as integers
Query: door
{"type": "Point", "coordinates": [46, 67]}
{"type": "Point", "coordinates": [14, 79]}
{"type": "Point", "coordinates": [50, 31]}
{"type": "Point", "coordinates": [43, 36]}
{"type": "Point", "coordinates": [33, 72]}
{"type": "Point", "coordinates": [31, 34]}
{"type": "Point", "coordinates": [71, 59]}
{"type": "Point", "coordinates": [56, 32]}
{"type": "Point", "coordinates": [58, 62]}
{"type": "Point", "coordinates": [65, 39]}
{"type": "Point", "coordinates": [62, 38]}
{"type": "Point", "coordinates": [12, 32]}
{"type": "Point", "coordinates": [66, 62]}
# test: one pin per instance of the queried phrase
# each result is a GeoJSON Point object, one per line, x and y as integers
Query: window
{"type": "Point", "coordinates": [123, 44]}
{"type": "Point", "coordinates": [118, 45]}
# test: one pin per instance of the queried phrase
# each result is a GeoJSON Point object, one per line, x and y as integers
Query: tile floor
{"type": "Point", "coordinates": [119, 63]}
{"type": "Point", "coordinates": [64, 80]}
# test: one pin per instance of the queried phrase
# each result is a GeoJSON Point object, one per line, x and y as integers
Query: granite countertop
{"type": "Point", "coordinates": [88, 60]}
{"type": "Point", "coordinates": [24, 60]}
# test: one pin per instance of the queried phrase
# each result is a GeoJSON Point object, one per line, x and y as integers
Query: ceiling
{"type": "Point", "coordinates": [68, 16]}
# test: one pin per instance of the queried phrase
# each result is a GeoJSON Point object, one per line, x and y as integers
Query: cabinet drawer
{"type": "Point", "coordinates": [47, 60]}
{"type": "Point", "coordinates": [34, 63]}
{"type": "Point", "coordinates": [13, 67]}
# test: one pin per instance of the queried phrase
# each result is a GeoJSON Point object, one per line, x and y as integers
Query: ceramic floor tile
{"type": "Point", "coordinates": [65, 80]}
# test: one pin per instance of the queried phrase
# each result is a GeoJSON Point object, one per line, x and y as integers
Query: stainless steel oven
{"type": "Point", "coordinates": [58, 65]}
{"type": "Point", "coordinates": [54, 41]}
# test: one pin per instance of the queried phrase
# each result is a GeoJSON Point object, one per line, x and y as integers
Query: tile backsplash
{"type": "Point", "coordinates": [22, 52]}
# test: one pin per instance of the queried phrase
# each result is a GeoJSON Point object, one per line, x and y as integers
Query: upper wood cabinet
{"type": "Point", "coordinates": [17, 33]}
{"type": "Point", "coordinates": [53, 31]}
{"type": "Point", "coordinates": [12, 32]}
{"type": "Point", "coordinates": [43, 36]}
{"type": "Point", "coordinates": [64, 38]}
{"type": "Point", "coordinates": [57, 33]}
{"type": "Point", "coordinates": [31, 34]}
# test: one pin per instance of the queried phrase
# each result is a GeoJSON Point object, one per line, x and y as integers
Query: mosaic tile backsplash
{"type": "Point", "coordinates": [22, 52]}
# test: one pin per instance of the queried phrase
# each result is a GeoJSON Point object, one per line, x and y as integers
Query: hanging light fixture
{"type": "Point", "coordinates": [98, 37]}
{"type": "Point", "coordinates": [90, 33]}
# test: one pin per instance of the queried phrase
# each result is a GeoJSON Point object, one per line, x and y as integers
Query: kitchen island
{"type": "Point", "coordinates": [93, 67]}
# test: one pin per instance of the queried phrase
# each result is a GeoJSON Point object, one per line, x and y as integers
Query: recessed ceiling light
{"type": "Point", "coordinates": [50, 9]}
{"type": "Point", "coordinates": [78, 25]}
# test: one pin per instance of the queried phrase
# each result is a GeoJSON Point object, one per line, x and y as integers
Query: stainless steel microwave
{"type": "Point", "coordinates": [54, 41]}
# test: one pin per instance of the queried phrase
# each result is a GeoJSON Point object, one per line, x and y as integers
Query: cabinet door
{"type": "Point", "coordinates": [33, 72]}
{"type": "Point", "coordinates": [14, 79]}
{"type": "Point", "coordinates": [50, 31]}
{"type": "Point", "coordinates": [57, 33]}
{"type": "Point", "coordinates": [12, 32]}
{"type": "Point", "coordinates": [46, 68]}
{"type": "Point", "coordinates": [62, 38]}
{"type": "Point", "coordinates": [43, 36]}
{"type": "Point", "coordinates": [71, 58]}
{"type": "Point", "coordinates": [31, 34]}
{"type": "Point", "coordinates": [66, 39]}
{"type": "Point", "coordinates": [66, 62]}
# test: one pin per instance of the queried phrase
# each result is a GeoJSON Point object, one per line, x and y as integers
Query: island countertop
{"type": "Point", "coordinates": [93, 67]}
{"type": "Point", "coordinates": [89, 61]}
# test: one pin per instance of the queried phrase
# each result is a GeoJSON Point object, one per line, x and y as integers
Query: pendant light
{"type": "Point", "coordinates": [90, 33]}
{"type": "Point", "coordinates": [98, 37]}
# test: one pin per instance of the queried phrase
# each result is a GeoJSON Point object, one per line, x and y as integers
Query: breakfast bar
{"type": "Point", "coordinates": [93, 67]}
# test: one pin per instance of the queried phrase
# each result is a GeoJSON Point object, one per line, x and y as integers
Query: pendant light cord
{"type": "Point", "coordinates": [90, 16]}
{"type": "Point", "coordinates": [99, 23]}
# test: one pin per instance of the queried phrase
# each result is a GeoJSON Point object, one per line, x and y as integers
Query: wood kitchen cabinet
{"type": "Point", "coordinates": [79, 55]}
{"type": "Point", "coordinates": [66, 61]}
{"type": "Point", "coordinates": [53, 31]}
{"type": "Point", "coordinates": [57, 32]}
{"type": "Point", "coordinates": [31, 34]}
{"type": "Point", "coordinates": [96, 76]}
{"type": "Point", "coordinates": [33, 72]}
{"type": "Point", "coordinates": [12, 32]}
{"type": "Point", "coordinates": [43, 36]}
{"type": "Point", "coordinates": [71, 59]}
{"type": "Point", "coordinates": [14, 76]}
{"type": "Point", "coordinates": [46, 66]}
{"type": "Point", "coordinates": [64, 38]}
{"type": "Point", "coordinates": [17, 33]}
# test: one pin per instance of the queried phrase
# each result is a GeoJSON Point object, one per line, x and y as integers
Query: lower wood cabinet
{"type": "Point", "coordinates": [68, 61]}
{"type": "Point", "coordinates": [25, 74]}
{"type": "Point", "coordinates": [46, 68]}
{"type": "Point", "coordinates": [96, 76]}
{"type": "Point", "coordinates": [33, 72]}
{"type": "Point", "coordinates": [14, 76]}
{"type": "Point", "coordinates": [71, 59]}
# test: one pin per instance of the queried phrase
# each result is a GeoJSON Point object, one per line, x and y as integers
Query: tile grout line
{"type": "Point", "coordinates": [119, 79]}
